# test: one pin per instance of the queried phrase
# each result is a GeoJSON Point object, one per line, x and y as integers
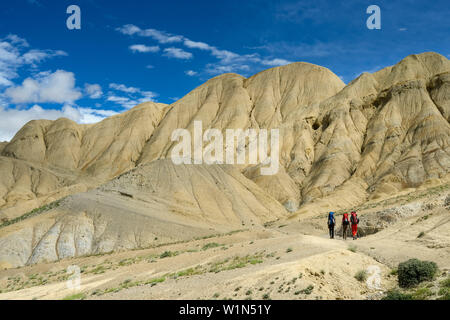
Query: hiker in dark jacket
{"type": "Point", "coordinates": [331, 223]}
{"type": "Point", "coordinates": [345, 224]}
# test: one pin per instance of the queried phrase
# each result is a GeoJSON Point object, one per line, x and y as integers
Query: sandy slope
{"type": "Point", "coordinates": [380, 143]}
{"type": "Point", "coordinates": [279, 261]}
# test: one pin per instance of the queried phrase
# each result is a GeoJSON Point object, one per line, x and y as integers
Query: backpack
{"type": "Point", "coordinates": [345, 219]}
{"type": "Point", "coordinates": [331, 219]}
{"type": "Point", "coordinates": [354, 218]}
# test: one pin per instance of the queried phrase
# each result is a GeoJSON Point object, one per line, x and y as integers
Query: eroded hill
{"type": "Point", "coordinates": [383, 134]}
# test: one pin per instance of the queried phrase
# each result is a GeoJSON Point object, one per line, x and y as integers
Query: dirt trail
{"type": "Point", "coordinates": [286, 260]}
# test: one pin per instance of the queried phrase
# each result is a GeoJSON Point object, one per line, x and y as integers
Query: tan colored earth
{"type": "Point", "coordinates": [107, 196]}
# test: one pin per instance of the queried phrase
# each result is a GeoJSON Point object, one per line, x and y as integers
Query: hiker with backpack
{"type": "Point", "coordinates": [331, 224]}
{"type": "Point", "coordinates": [345, 224]}
{"type": "Point", "coordinates": [354, 220]}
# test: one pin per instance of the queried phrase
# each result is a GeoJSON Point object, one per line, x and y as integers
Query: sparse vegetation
{"type": "Point", "coordinates": [235, 263]}
{"type": "Point", "coordinates": [308, 290]}
{"type": "Point", "coordinates": [352, 248]}
{"type": "Point", "coordinates": [211, 245]}
{"type": "Point", "coordinates": [167, 254]}
{"type": "Point", "coordinates": [361, 275]}
{"type": "Point", "coordinates": [77, 296]}
{"type": "Point", "coordinates": [154, 281]}
{"type": "Point", "coordinates": [189, 272]}
{"type": "Point", "coordinates": [414, 271]}
{"type": "Point", "coordinates": [396, 294]}
{"type": "Point", "coordinates": [444, 294]}
{"type": "Point", "coordinates": [445, 283]}
{"type": "Point", "coordinates": [422, 294]}
{"type": "Point", "coordinates": [32, 213]}
{"type": "Point", "coordinates": [444, 290]}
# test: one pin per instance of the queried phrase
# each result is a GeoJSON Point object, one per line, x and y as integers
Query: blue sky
{"type": "Point", "coordinates": [132, 51]}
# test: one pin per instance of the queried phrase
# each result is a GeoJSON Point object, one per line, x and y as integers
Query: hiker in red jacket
{"type": "Point", "coordinates": [345, 223]}
{"type": "Point", "coordinates": [354, 220]}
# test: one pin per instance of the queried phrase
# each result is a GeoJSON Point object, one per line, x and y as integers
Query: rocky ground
{"type": "Point", "coordinates": [286, 259]}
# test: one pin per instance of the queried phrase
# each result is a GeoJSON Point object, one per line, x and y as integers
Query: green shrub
{"type": "Point", "coordinates": [414, 271]}
{"type": "Point", "coordinates": [308, 290]}
{"type": "Point", "coordinates": [397, 295]}
{"type": "Point", "coordinates": [32, 213]}
{"type": "Point", "coordinates": [444, 293]}
{"type": "Point", "coordinates": [361, 275]}
{"type": "Point", "coordinates": [445, 283]}
{"type": "Point", "coordinates": [422, 294]}
{"type": "Point", "coordinates": [77, 296]}
{"type": "Point", "coordinates": [211, 245]}
{"type": "Point", "coordinates": [167, 254]}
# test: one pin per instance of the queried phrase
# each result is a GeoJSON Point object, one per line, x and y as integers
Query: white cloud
{"type": "Point", "coordinates": [57, 87]}
{"type": "Point", "coordinates": [12, 57]}
{"type": "Point", "coordinates": [190, 73]}
{"type": "Point", "coordinates": [131, 102]}
{"type": "Point", "coordinates": [143, 48]}
{"type": "Point", "coordinates": [36, 56]}
{"type": "Point", "coordinates": [94, 91]}
{"type": "Point", "coordinates": [123, 88]}
{"type": "Point", "coordinates": [124, 102]}
{"type": "Point", "coordinates": [215, 68]}
{"type": "Point", "coordinates": [197, 45]}
{"type": "Point", "coordinates": [228, 61]}
{"type": "Point", "coordinates": [12, 119]}
{"type": "Point", "coordinates": [10, 61]}
{"type": "Point", "coordinates": [275, 62]}
{"type": "Point", "coordinates": [177, 53]}
{"type": "Point", "coordinates": [118, 100]}
{"type": "Point", "coordinates": [129, 29]}
{"type": "Point", "coordinates": [15, 39]}
{"type": "Point", "coordinates": [4, 81]}
{"type": "Point", "coordinates": [133, 97]}
{"type": "Point", "coordinates": [160, 36]}
{"type": "Point", "coordinates": [147, 96]}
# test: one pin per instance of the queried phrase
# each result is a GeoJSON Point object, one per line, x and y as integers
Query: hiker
{"type": "Point", "coordinates": [331, 224]}
{"type": "Point", "coordinates": [345, 223]}
{"type": "Point", "coordinates": [354, 220]}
